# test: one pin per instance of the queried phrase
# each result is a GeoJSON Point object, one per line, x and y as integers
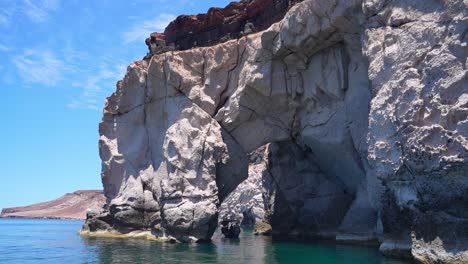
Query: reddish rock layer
{"type": "Point", "coordinates": [69, 206]}
{"type": "Point", "coordinates": [221, 24]}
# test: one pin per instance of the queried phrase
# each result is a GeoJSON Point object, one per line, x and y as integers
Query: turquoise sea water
{"type": "Point", "coordinates": [56, 241]}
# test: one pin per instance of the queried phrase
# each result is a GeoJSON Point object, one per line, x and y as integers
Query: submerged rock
{"type": "Point", "coordinates": [230, 229]}
{"type": "Point", "coordinates": [262, 228]}
{"type": "Point", "coordinates": [364, 104]}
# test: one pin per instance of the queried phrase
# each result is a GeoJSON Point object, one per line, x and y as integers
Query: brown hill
{"type": "Point", "coordinates": [70, 206]}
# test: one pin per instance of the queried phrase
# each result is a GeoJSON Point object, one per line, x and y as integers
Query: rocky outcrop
{"type": "Point", "coordinates": [166, 162]}
{"type": "Point", "coordinates": [218, 25]}
{"type": "Point", "coordinates": [70, 206]}
{"type": "Point", "coordinates": [157, 44]}
{"type": "Point", "coordinates": [364, 104]}
{"type": "Point", "coordinates": [222, 24]}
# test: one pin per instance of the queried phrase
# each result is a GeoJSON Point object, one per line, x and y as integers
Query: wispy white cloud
{"type": "Point", "coordinates": [141, 30]}
{"type": "Point", "coordinates": [38, 11]}
{"type": "Point", "coordinates": [39, 66]}
{"type": "Point", "coordinates": [4, 48]}
{"type": "Point", "coordinates": [4, 20]}
{"type": "Point", "coordinates": [6, 14]}
{"type": "Point", "coordinates": [96, 87]}
{"type": "Point", "coordinates": [85, 104]}
{"type": "Point", "coordinates": [61, 69]}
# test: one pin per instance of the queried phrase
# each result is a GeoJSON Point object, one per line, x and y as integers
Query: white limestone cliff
{"type": "Point", "coordinates": [365, 104]}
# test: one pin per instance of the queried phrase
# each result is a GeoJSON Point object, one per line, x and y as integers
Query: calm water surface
{"type": "Point", "coordinates": [56, 241]}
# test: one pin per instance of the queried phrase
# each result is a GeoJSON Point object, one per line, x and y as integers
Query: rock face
{"type": "Point", "coordinates": [70, 206]}
{"type": "Point", "coordinates": [221, 24]}
{"type": "Point", "coordinates": [166, 162]}
{"type": "Point", "coordinates": [418, 131]}
{"type": "Point", "coordinates": [365, 105]}
{"type": "Point", "coordinates": [301, 199]}
{"type": "Point", "coordinates": [245, 204]}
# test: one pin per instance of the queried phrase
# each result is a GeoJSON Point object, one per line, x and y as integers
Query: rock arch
{"type": "Point", "coordinates": [345, 86]}
{"type": "Point", "coordinates": [175, 134]}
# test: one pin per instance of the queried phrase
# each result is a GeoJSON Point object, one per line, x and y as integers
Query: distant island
{"type": "Point", "coordinates": [70, 206]}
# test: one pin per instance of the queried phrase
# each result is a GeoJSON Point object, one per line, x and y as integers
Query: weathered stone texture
{"type": "Point", "coordinates": [364, 104]}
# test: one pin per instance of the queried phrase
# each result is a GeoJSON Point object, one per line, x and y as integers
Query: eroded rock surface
{"type": "Point", "coordinates": [245, 204]}
{"type": "Point", "coordinates": [417, 53]}
{"type": "Point", "coordinates": [364, 104]}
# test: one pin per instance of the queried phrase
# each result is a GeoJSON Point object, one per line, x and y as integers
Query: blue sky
{"type": "Point", "coordinates": [59, 60]}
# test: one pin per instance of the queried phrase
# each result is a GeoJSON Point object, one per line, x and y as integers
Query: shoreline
{"type": "Point", "coordinates": [65, 241]}
{"type": "Point", "coordinates": [150, 236]}
{"type": "Point", "coordinates": [42, 218]}
{"type": "Point", "coordinates": [393, 249]}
